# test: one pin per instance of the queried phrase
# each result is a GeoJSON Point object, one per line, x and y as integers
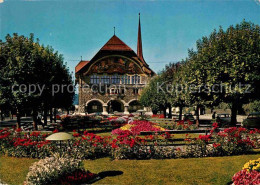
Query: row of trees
{"type": "Point", "coordinates": [32, 77]}
{"type": "Point", "coordinates": [224, 68]}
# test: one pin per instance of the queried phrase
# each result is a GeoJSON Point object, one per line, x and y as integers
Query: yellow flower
{"type": "Point", "coordinates": [252, 165]}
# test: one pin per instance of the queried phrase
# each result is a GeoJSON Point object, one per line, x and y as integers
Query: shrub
{"type": "Point", "coordinates": [54, 170]}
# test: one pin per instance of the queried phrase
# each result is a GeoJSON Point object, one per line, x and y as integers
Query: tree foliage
{"type": "Point", "coordinates": [28, 73]}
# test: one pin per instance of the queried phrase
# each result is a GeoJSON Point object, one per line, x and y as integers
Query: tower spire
{"type": "Point", "coordinates": [139, 42]}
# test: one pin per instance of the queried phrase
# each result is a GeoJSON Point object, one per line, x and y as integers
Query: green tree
{"type": "Point", "coordinates": [24, 62]}
{"type": "Point", "coordinates": [227, 62]}
{"type": "Point", "coordinates": [154, 95]}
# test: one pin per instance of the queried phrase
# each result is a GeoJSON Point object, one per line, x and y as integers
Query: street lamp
{"type": "Point", "coordinates": [60, 136]}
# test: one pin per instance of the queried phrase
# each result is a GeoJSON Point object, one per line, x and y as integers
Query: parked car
{"type": "Point", "coordinates": [188, 116]}
{"type": "Point", "coordinates": [252, 120]}
{"type": "Point", "coordinates": [223, 120]}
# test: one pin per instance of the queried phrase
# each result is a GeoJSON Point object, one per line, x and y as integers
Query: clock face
{"type": "Point", "coordinates": [115, 65]}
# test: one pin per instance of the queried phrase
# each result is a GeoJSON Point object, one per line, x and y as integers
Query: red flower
{"type": "Point", "coordinates": [76, 134]}
{"type": "Point", "coordinates": [205, 138]}
{"type": "Point", "coordinates": [114, 145]}
{"type": "Point", "coordinates": [244, 177]}
{"type": "Point", "coordinates": [55, 131]}
{"type": "Point", "coordinates": [215, 145]}
{"type": "Point", "coordinates": [215, 125]}
{"type": "Point", "coordinates": [18, 130]}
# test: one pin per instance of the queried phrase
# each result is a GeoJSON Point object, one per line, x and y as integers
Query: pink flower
{"type": "Point", "coordinates": [244, 177]}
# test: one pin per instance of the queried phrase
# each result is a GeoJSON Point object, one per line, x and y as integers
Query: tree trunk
{"type": "Point", "coordinates": [2, 117]}
{"type": "Point", "coordinates": [45, 114]}
{"type": "Point", "coordinates": [154, 112]}
{"type": "Point", "coordinates": [180, 113]}
{"type": "Point", "coordinates": [35, 120]}
{"type": "Point", "coordinates": [18, 117]}
{"type": "Point", "coordinates": [51, 115]}
{"type": "Point", "coordinates": [170, 111]}
{"type": "Point", "coordinates": [197, 116]}
{"type": "Point", "coordinates": [234, 113]}
{"type": "Point", "coordinates": [55, 114]}
{"type": "Point", "coordinates": [164, 112]}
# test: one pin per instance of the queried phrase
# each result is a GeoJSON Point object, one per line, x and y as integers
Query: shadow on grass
{"type": "Point", "coordinates": [105, 174]}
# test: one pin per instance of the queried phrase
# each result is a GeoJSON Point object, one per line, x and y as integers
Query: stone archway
{"type": "Point", "coordinates": [115, 105]}
{"type": "Point", "coordinates": [94, 106]}
{"type": "Point", "coordinates": [134, 105]}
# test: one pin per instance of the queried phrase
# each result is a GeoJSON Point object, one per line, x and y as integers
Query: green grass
{"type": "Point", "coordinates": [210, 170]}
{"type": "Point", "coordinates": [14, 170]}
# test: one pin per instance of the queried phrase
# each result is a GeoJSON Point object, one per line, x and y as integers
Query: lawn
{"type": "Point", "coordinates": [210, 170]}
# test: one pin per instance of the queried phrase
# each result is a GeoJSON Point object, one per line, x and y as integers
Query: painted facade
{"type": "Point", "coordinates": [113, 79]}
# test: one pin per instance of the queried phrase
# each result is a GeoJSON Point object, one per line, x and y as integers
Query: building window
{"type": "Point", "coordinates": [94, 79]}
{"type": "Point", "coordinates": [135, 91]}
{"type": "Point", "coordinates": [125, 79]}
{"type": "Point", "coordinates": [122, 79]}
{"type": "Point", "coordinates": [115, 79]}
{"type": "Point", "coordinates": [112, 91]}
{"type": "Point", "coordinates": [128, 79]}
{"type": "Point", "coordinates": [136, 79]}
{"type": "Point", "coordinates": [105, 79]}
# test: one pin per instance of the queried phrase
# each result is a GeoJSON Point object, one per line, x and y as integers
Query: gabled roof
{"type": "Point", "coordinates": [115, 44]}
{"type": "Point", "coordinates": [80, 65]}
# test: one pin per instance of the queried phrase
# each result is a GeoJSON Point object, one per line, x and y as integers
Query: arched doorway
{"type": "Point", "coordinates": [134, 106]}
{"type": "Point", "coordinates": [115, 105]}
{"type": "Point", "coordinates": [94, 107]}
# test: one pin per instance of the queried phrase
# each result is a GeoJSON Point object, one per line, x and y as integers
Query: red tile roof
{"type": "Point", "coordinates": [80, 65]}
{"type": "Point", "coordinates": [115, 44]}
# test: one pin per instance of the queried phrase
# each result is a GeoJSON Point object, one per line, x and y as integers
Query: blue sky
{"type": "Point", "coordinates": [81, 28]}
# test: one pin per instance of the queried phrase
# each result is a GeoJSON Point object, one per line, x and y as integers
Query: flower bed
{"type": "Point", "coordinates": [58, 170]}
{"type": "Point", "coordinates": [184, 125]}
{"type": "Point", "coordinates": [127, 145]}
{"type": "Point", "coordinates": [230, 141]}
{"type": "Point", "coordinates": [157, 116]}
{"type": "Point", "coordinates": [250, 174]}
{"type": "Point", "coordinates": [136, 127]}
{"type": "Point", "coordinates": [88, 121]}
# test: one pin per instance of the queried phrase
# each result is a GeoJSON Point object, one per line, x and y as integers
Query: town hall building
{"type": "Point", "coordinates": [113, 79]}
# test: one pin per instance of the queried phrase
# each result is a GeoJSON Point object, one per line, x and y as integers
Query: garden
{"type": "Point", "coordinates": [69, 162]}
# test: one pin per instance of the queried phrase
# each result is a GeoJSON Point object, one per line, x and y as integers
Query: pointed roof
{"type": "Point", "coordinates": [139, 42]}
{"type": "Point", "coordinates": [115, 44]}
